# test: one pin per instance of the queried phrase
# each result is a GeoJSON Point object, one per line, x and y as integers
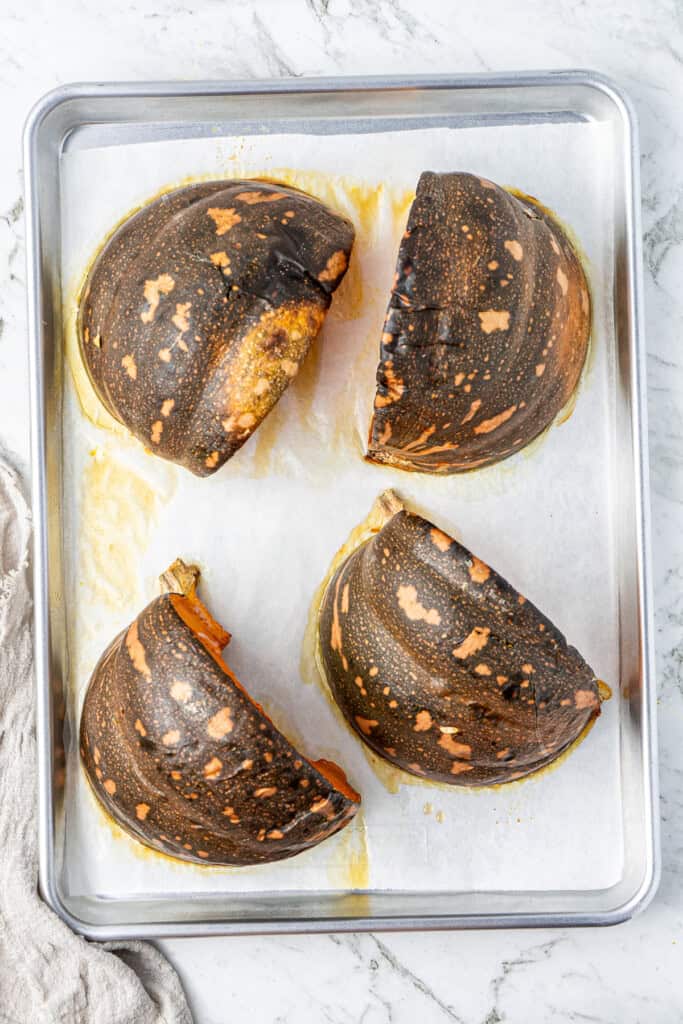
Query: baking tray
{"type": "Point", "coordinates": [114, 114]}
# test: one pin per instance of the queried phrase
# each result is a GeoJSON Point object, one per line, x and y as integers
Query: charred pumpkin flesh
{"type": "Point", "coordinates": [486, 332]}
{"type": "Point", "coordinates": [200, 309]}
{"type": "Point", "coordinates": [184, 760]}
{"type": "Point", "coordinates": [441, 666]}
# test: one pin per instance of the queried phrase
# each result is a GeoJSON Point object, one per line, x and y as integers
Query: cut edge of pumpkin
{"type": "Point", "coordinates": [214, 638]}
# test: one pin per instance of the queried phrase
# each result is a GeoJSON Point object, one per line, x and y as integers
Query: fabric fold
{"type": "Point", "coordinates": [47, 973]}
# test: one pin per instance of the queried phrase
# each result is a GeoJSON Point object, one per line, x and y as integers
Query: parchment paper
{"type": "Point", "coordinates": [265, 528]}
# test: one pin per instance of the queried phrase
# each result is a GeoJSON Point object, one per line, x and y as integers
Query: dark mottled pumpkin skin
{"type": "Point", "coordinates": [442, 667]}
{"type": "Point", "coordinates": [184, 761]}
{"type": "Point", "coordinates": [486, 332]}
{"type": "Point", "coordinates": [200, 308]}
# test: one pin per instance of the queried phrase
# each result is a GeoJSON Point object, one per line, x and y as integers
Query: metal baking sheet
{"type": "Point", "coordinates": [467, 860]}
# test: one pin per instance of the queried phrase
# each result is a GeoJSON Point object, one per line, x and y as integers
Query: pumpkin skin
{"type": "Point", "coordinates": [441, 666]}
{"type": "Point", "coordinates": [486, 332]}
{"type": "Point", "coordinates": [186, 762]}
{"type": "Point", "coordinates": [200, 308]}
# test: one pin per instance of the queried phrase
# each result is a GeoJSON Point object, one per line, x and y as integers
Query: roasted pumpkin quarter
{"type": "Point", "coordinates": [184, 760]}
{"type": "Point", "coordinates": [486, 332]}
{"type": "Point", "coordinates": [441, 666]}
{"type": "Point", "coordinates": [200, 309]}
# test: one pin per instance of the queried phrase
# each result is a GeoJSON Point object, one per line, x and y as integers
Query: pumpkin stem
{"type": "Point", "coordinates": [385, 508]}
{"type": "Point", "coordinates": [180, 578]}
{"type": "Point", "coordinates": [604, 691]}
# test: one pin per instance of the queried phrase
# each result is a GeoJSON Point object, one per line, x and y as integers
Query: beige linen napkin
{"type": "Point", "coordinates": [48, 974]}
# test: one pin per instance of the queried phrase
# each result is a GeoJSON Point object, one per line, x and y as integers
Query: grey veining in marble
{"type": "Point", "coordinates": [621, 976]}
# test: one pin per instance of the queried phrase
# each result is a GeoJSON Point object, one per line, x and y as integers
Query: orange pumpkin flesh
{"type": "Point", "coordinates": [212, 635]}
{"type": "Point", "coordinates": [186, 762]}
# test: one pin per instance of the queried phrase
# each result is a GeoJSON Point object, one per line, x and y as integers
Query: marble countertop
{"type": "Point", "coordinates": [626, 974]}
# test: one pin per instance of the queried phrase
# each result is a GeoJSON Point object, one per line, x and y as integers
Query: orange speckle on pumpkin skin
{"type": "Point", "coordinates": [152, 292]}
{"type": "Point", "coordinates": [139, 727]}
{"type": "Point", "coordinates": [482, 669]}
{"type": "Point", "coordinates": [253, 198]}
{"type": "Point", "coordinates": [478, 570]}
{"type": "Point", "coordinates": [515, 249]}
{"type": "Point", "coordinates": [421, 440]}
{"type": "Point", "coordinates": [413, 610]}
{"type": "Point", "coordinates": [585, 699]}
{"type": "Point", "coordinates": [165, 355]}
{"type": "Point", "coordinates": [562, 280]}
{"type": "Point", "coordinates": [335, 266]}
{"type": "Point", "coordinates": [212, 460]}
{"type": "Point", "coordinates": [366, 725]}
{"type": "Point", "coordinates": [212, 768]}
{"type": "Point", "coordinates": [130, 366]}
{"type": "Point", "coordinates": [540, 369]}
{"type": "Point", "coordinates": [265, 791]}
{"type": "Point", "coordinates": [220, 724]}
{"type": "Point", "coordinates": [458, 767]}
{"type": "Point", "coordinates": [110, 786]}
{"type": "Point", "coordinates": [167, 406]}
{"type": "Point", "coordinates": [423, 721]}
{"type": "Point", "coordinates": [474, 407]}
{"type": "Point", "coordinates": [473, 642]}
{"type": "Point", "coordinates": [141, 811]}
{"type": "Point", "coordinates": [180, 317]}
{"type": "Point", "coordinates": [137, 651]}
{"type": "Point", "coordinates": [494, 320]}
{"type": "Point", "coordinates": [221, 260]}
{"type": "Point", "coordinates": [496, 421]}
{"type": "Point", "coordinates": [180, 691]}
{"type": "Point", "coordinates": [224, 219]}
{"type": "Point", "coordinates": [440, 539]}
{"type": "Point", "coordinates": [170, 738]}
{"type": "Point", "coordinates": [157, 429]}
{"type": "Point", "coordinates": [394, 387]}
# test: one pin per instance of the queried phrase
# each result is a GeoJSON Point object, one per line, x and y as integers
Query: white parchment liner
{"type": "Point", "coordinates": [264, 529]}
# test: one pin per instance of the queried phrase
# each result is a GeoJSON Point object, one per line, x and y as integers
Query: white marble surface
{"type": "Point", "coordinates": [628, 974]}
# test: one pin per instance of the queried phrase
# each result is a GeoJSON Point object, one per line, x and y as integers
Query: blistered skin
{"type": "Point", "coordinates": [200, 309]}
{"type": "Point", "coordinates": [486, 332]}
{"type": "Point", "coordinates": [186, 763]}
{"type": "Point", "coordinates": [442, 667]}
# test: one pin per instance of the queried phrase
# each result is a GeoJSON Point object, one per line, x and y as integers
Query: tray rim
{"type": "Point", "coordinates": [47, 881]}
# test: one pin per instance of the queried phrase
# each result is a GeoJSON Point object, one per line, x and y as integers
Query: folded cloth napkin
{"type": "Point", "coordinates": [48, 974]}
